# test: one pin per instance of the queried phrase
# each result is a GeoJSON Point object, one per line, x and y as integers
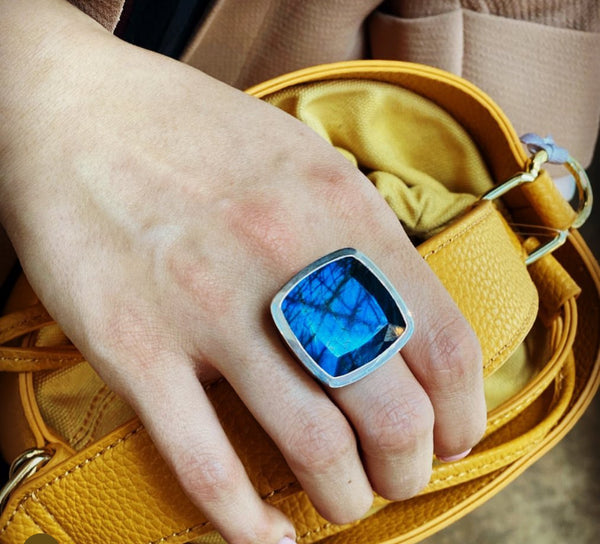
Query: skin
{"type": "Point", "coordinates": [156, 211]}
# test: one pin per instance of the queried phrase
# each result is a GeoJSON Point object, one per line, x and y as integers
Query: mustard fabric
{"type": "Point", "coordinates": [419, 157]}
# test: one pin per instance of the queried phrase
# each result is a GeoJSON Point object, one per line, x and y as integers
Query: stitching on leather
{"type": "Point", "coordinates": [70, 471]}
{"type": "Point", "coordinates": [317, 530]}
{"type": "Point", "coordinates": [75, 359]}
{"type": "Point", "coordinates": [90, 459]}
{"type": "Point", "coordinates": [100, 453]}
{"type": "Point", "coordinates": [450, 477]}
{"type": "Point", "coordinates": [51, 515]}
{"type": "Point", "coordinates": [527, 400]}
{"type": "Point", "coordinates": [459, 234]}
{"type": "Point", "coordinates": [20, 506]}
{"type": "Point", "coordinates": [180, 533]}
{"type": "Point", "coordinates": [107, 404]}
{"type": "Point", "coordinates": [481, 486]}
{"type": "Point", "coordinates": [82, 430]}
{"type": "Point", "coordinates": [511, 457]}
{"type": "Point", "coordinates": [106, 397]}
{"type": "Point", "coordinates": [25, 321]}
{"type": "Point", "coordinates": [204, 524]}
{"type": "Point", "coordinates": [519, 332]}
{"type": "Point", "coordinates": [279, 490]}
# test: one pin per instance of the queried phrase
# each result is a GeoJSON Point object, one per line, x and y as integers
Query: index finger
{"type": "Point", "coordinates": [184, 427]}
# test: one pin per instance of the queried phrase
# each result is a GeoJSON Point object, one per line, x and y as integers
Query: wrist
{"type": "Point", "coordinates": [41, 40]}
{"type": "Point", "coordinates": [40, 59]}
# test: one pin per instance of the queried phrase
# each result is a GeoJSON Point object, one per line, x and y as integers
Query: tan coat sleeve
{"type": "Point", "coordinates": [538, 59]}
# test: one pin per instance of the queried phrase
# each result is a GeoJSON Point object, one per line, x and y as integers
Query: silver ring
{"type": "Point", "coordinates": [341, 317]}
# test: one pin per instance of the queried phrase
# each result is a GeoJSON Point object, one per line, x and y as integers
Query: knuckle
{"type": "Point", "coordinates": [257, 532]}
{"type": "Point", "coordinates": [345, 193]}
{"type": "Point", "coordinates": [349, 513]}
{"type": "Point", "coordinates": [207, 478]}
{"type": "Point", "coordinates": [129, 334]}
{"type": "Point", "coordinates": [411, 484]}
{"type": "Point", "coordinates": [319, 440]}
{"type": "Point", "coordinates": [463, 438]}
{"type": "Point", "coordinates": [456, 354]}
{"type": "Point", "coordinates": [400, 424]}
{"type": "Point", "coordinates": [201, 289]}
{"type": "Point", "coordinates": [263, 227]}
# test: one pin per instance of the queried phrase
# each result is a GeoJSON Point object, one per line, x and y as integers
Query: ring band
{"type": "Point", "coordinates": [341, 317]}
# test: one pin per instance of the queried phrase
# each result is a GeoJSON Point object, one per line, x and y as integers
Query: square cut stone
{"type": "Point", "coordinates": [343, 315]}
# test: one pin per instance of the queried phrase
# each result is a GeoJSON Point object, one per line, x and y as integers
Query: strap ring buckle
{"type": "Point", "coordinates": [22, 468]}
{"type": "Point", "coordinates": [584, 197]}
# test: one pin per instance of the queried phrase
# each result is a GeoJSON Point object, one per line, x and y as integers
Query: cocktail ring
{"type": "Point", "coordinates": [341, 317]}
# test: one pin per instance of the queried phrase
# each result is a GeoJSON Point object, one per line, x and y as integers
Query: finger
{"type": "Point", "coordinates": [444, 353]}
{"type": "Point", "coordinates": [313, 435]}
{"type": "Point", "coordinates": [445, 357]}
{"type": "Point", "coordinates": [183, 425]}
{"type": "Point", "coordinates": [394, 421]}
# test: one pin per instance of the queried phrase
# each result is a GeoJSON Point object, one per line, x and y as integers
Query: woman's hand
{"type": "Point", "coordinates": [157, 211]}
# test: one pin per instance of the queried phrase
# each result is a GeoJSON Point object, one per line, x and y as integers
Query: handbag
{"type": "Point", "coordinates": [484, 214]}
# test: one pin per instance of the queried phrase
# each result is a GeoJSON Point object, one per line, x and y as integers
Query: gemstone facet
{"type": "Point", "coordinates": [342, 317]}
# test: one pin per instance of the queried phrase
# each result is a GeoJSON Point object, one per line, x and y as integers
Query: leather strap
{"type": "Point", "coordinates": [128, 456]}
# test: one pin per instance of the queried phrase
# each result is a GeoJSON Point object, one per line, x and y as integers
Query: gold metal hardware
{"type": "Point", "coordinates": [549, 247]}
{"type": "Point", "coordinates": [584, 197]}
{"type": "Point", "coordinates": [584, 192]}
{"type": "Point", "coordinates": [22, 468]}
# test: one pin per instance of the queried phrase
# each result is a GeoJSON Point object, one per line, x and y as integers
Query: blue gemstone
{"type": "Point", "coordinates": [343, 316]}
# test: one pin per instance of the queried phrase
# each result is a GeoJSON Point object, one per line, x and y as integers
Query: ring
{"type": "Point", "coordinates": [341, 317]}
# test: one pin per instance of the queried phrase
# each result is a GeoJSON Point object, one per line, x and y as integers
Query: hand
{"type": "Point", "coordinates": [157, 211]}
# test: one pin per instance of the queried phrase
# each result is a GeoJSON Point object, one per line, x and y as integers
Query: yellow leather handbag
{"type": "Point", "coordinates": [450, 165]}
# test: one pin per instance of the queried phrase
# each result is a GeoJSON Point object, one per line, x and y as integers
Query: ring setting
{"type": "Point", "coordinates": [341, 317]}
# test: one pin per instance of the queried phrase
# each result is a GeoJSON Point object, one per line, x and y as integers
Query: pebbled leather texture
{"type": "Point", "coordinates": [501, 308]}
{"type": "Point", "coordinates": [117, 488]}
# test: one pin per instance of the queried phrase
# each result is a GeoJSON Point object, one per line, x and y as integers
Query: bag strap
{"type": "Point", "coordinates": [103, 510]}
{"type": "Point", "coordinates": [479, 249]}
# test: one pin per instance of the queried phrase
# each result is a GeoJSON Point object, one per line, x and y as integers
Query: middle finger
{"type": "Point", "coordinates": [393, 417]}
{"type": "Point", "coordinates": [312, 433]}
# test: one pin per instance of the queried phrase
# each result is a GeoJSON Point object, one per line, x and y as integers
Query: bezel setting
{"type": "Point", "coordinates": [400, 332]}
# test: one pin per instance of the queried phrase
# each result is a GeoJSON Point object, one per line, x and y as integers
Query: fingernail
{"type": "Point", "coordinates": [287, 540]}
{"type": "Point", "coordinates": [453, 458]}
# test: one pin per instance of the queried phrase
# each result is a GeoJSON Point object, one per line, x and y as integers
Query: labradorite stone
{"type": "Point", "coordinates": [343, 316]}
